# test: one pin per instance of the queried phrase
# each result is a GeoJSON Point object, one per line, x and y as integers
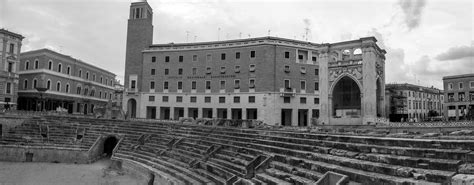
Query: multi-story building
{"type": "Point", "coordinates": [10, 48]}
{"type": "Point", "coordinates": [413, 102]}
{"type": "Point", "coordinates": [49, 80]}
{"type": "Point", "coordinates": [276, 80]}
{"type": "Point", "coordinates": [459, 93]}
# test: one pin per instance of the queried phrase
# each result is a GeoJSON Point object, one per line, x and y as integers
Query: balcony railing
{"type": "Point", "coordinates": [287, 92]}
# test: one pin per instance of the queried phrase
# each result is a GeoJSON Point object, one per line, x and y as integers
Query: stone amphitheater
{"type": "Point", "coordinates": [172, 152]}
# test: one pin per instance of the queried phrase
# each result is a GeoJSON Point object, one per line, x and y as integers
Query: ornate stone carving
{"type": "Point", "coordinates": [352, 71]}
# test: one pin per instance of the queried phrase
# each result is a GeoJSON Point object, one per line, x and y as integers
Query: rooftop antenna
{"type": "Point", "coordinates": [307, 31]}
{"type": "Point", "coordinates": [218, 34]}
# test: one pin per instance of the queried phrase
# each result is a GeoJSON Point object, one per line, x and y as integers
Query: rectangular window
{"type": "Point", "coordinates": [222, 84]}
{"type": "Point", "coordinates": [287, 84]}
{"type": "Point", "coordinates": [193, 99]}
{"type": "Point", "coordinates": [461, 85]}
{"type": "Point", "coordinates": [251, 83]}
{"type": "Point", "coordinates": [180, 71]}
{"type": "Point", "coordinates": [151, 98]}
{"type": "Point", "coordinates": [471, 84]}
{"type": "Point", "coordinates": [195, 58]}
{"type": "Point", "coordinates": [152, 72]}
{"type": "Point", "coordinates": [222, 69]}
{"type": "Point", "coordinates": [300, 57]}
{"type": "Point", "coordinates": [237, 55]}
{"type": "Point", "coordinates": [316, 86]}
{"type": "Point", "coordinates": [208, 85]}
{"type": "Point", "coordinates": [180, 85]}
{"type": "Point", "coordinates": [181, 58]}
{"type": "Point", "coordinates": [193, 85]}
{"type": "Point", "coordinates": [194, 71]}
{"type": "Point", "coordinates": [12, 48]}
{"type": "Point", "coordinates": [287, 69]}
{"type": "Point", "coordinates": [9, 88]}
{"type": "Point", "coordinates": [316, 71]}
{"type": "Point", "coordinates": [223, 56]}
{"type": "Point", "coordinates": [252, 54]}
{"type": "Point", "coordinates": [165, 99]}
{"type": "Point", "coordinates": [152, 85]}
{"type": "Point", "coordinates": [303, 100]}
{"type": "Point", "coordinates": [236, 84]}
{"type": "Point", "coordinates": [237, 69]}
{"type": "Point", "coordinates": [286, 100]}
{"type": "Point", "coordinates": [167, 58]}
{"type": "Point", "coordinates": [208, 57]}
{"type": "Point", "coordinates": [207, 99]}
{"type": "Point", "coordinates": [153, 59]}
{"type": "Point", "coordinates": [165, 85]}
{"type": "Point", "coordinates": [179, 99]}
{"type": "Point", "coordinates": [450, 86]}
{"type": "Point", "coordinates": [133, 84]}
{"type": "Point", "coordinates": [252, 67]}
{"type": "Point", "coordinates": [313, 59]}
{"type": "Point", "coordinates": [251, 99]}
{"type": "Point", "coordinates": [287, 54]}
{"type": "Point", "coordinates": [316, 100]}
{"type": "Point", "coordinates": [10, 67]}
{"type": "Point", "coordinates": [303, 85]}
{"type": "Point", "coordinates": [167, 71]}
{"type": "Point", "coordinates": [221, 99]}
{"type": "Point", "coordinates": [236, 99]}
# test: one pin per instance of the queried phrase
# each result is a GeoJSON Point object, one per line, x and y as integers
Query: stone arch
{"type": "Point", "coordinates": [110, 143]}
{"type": "Point", "coordinates": [132, 108]}
{"type": "Point", "coordinates": [346, 97]}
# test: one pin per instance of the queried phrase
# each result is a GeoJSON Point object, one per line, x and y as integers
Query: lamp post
{"type": "Point", "coordinates": [41, 90]}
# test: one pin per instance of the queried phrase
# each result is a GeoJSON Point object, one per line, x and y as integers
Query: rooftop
{"type": "Point", "coordinates": [46, 50]}
{"type": "Point", "coordinates": [4, 31]}
{"type": "Point", "coordinates": [459, 76]}
{"type": "Point", "coordinates": [412, 87]}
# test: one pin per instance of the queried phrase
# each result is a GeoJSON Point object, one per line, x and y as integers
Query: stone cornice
{"type": "Point", "coordinates": [45, 71]}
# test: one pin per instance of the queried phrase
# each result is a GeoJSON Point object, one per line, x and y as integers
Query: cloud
{"type": "Point", "coordinates": [412, 10]}
{"type": "Point", "coordinates": [455, 53]}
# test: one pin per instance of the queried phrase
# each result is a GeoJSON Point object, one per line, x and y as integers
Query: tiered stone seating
{"type": "Point", "coordinates": [196, 154]}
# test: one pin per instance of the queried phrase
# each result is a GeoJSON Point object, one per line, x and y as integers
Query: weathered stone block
{"type": "Point", "coordinates": [462, 179]}
{"type": "Point", "coordinates": [467, 168]}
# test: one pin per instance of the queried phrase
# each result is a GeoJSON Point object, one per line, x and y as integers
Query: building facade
{"type": "Point", "coordinates": [10, 48]}
{"type": "Point", "coordinates": [49, 80]}
{"type": "Point", "coordinates": [413, 102]}
{"type": "Point", "coordinates": [459, 93]}
{"type": "Point", "coordinates": [276, 80]}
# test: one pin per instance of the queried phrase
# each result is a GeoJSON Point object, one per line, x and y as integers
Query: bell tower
{"type": "Point", "coordinates": [139, 38]}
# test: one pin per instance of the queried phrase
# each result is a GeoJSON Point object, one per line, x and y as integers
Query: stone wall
{"type": "Point", "coordinates": [43, 154]}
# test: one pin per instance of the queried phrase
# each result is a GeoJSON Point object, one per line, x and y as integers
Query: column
{"type": "Point", "coordinates": [324, 88]}
{"type": "Point", "coordinates": [158, 113]}
{"type": "Point", "coordinates": [185, 112]}
{"type": "Point", "coordinates": [294, 117]}
{"type": "Point", "coordinates": [244, 113]}
{"type": "Point", "coordinates": [200, 113]}
{"type": "Point", "coordinates": [310, 116]}
{"type": "Point", "coordinates": [369, 89]}
{"type": "Point", "coordinates": [229, 113]}
{"type": "Point", "coordinates": [214, 112]}
{"type": "Point", "coordinates": [172, 113]}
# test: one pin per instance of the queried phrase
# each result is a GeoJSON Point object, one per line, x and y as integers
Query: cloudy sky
{"type": "Point", "coordinates": [425, 40]}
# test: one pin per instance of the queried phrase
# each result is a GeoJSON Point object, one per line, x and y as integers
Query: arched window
{"type": "Point", "coordinates": [60, 67]}
{"type": "Point", "coordinates": [78, 89]}
{"type": "Point", "coordinates": [67, 88]}
{"type": "Point", "coordinates": [68, 70]}
{"type": "Point", "coordinates": [36, 64]}
{"type": "Point", "coordinates": [58, 86]}
{"type": "Point", "coordinates": [101, 80]}
{"type": "Point", "coordinates": [50, 65]}
{"type": "Point", "coordinates": [93, 77]}
{"type": "Point", "coordinates": [27, 65]}
{"type": "Point", "coordinates": [48, 86]}
{"type": "Point", "coordinates": [25, 84]}
{"type": "Point", "coordinates": [92, 93]}
{"type": "Point", "coordinates": [80, 73]}
{"type": "Point", "coordinates": [34, 83]}
{"type": "Point", "coordinates": [105, 95]}
{"type": "Point", "coordinates": [100, 94]}
{"type": "Point", "coordinates": [87, 75]}
{"type": "Point", "coordinates": [86, 91]}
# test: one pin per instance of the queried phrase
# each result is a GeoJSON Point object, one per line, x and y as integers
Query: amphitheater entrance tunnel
{"type": "Point", "coordinates": [109, 145]}
{"type": "Point", "coordinates": [346, 99]}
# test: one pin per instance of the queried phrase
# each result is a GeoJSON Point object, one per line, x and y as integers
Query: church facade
{"type": "Point", "coordinates": [276, 80]}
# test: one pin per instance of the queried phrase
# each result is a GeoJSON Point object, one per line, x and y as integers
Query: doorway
{"type": "Point", "coordinates": [109, 145]}
{"type": "Point", "coordinates": [286, 117]}
{"type": "Point", "coordinates": [302, 117]}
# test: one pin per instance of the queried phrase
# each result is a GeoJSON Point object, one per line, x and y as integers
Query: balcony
{"type": "Point", "coordinates": [131, 90]}
{"type": "Point", "coordinates": [287, 92]}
